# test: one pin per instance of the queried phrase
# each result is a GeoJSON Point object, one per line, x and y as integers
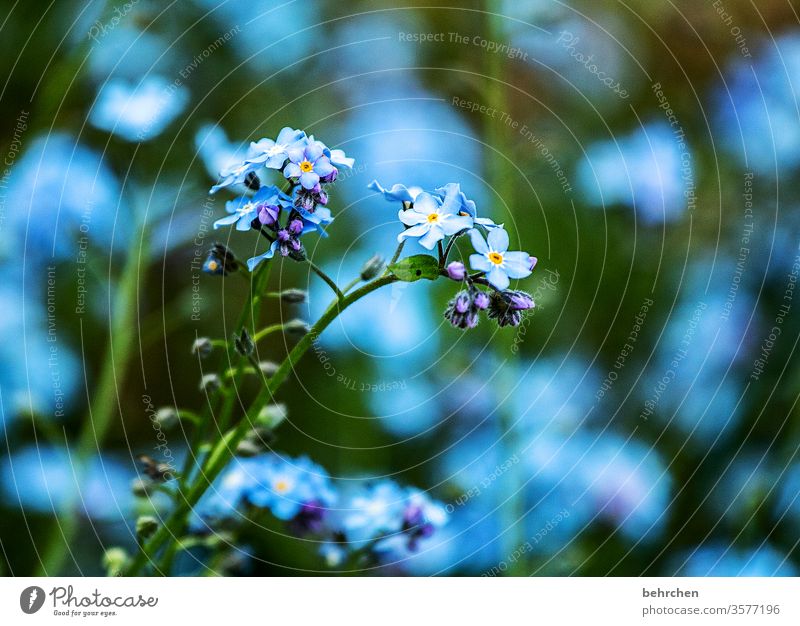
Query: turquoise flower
{"type": "Point", "coordinates": [273, 153]}
{"type": "Point", "coordinates": [431, 221]}
{"type": "Point", "coordinates": [452, 195]}
{"type": "Point", "coordinates": [265, 205]}
{"type": "Point", "coordinates": [494, 259]}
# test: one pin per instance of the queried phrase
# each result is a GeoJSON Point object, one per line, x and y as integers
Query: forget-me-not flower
{"type": "Point", "coordinates": [496, 261]}
{"type": "Point", "coordinates": [397, 193]}
{"type": "Point", "coordinates": [431, 221]}
{"type": "Point", "coordinates": [452, 195]}
{"type": "Point", "coordinates": [308, 163]}
{"type": "Point", "coordinates": [265, 205]}
{"type": "Point", "coordinates": [273, 153]}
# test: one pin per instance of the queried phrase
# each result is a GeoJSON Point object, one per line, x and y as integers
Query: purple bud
{"type": "Point", "coordinates": [322, 198]}
{"type": "Point", "coordinates": [520, 301]}
{"type": "Point", "coordinates": [268, 214]}
{"type": "Point", "coordinates": [533, 261]}
{"type": "Point", "coordinates": [296, 226]}
{"type": "Point", "coordinates": [330, 177]}
{"type": "Point", "coordinates": [315, 189]}
{"type": "Point", "coordinates": [296, 245]}
{"type": "Point", "coordinates": [481, 300]}
{"type": "Point", "coordinates": [462, 302]}
{"type": "Point", "coordinates": [283, 235]}
{"type": "Point", "coordinates": [456, 270]}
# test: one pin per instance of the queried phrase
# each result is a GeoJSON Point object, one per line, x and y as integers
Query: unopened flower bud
{"type": "Point", "coordinates": [297, 327]}
{"type": "Point", "coordinates": [141, 487]}
{"type": "Point", "coordinates": [296, 227]}
{"type": "Point", "coordinates": [271, 415]}
{"type": "Point", "coordinates": [114, 560]}
{"type": "Point", "coordinates": [533, 261]}
{"type": "Point", "coordinates": [481, 300]}
{"type": "Point", "coordinates": [462, 302]}
{"type": "Point", "coordinates": [456, 270]}
{"type": "Point", "coordinates": [372, 267]}
{"type": "Point", "coordinates": [146, 525]}
{"type": "Point", "coordinates": [202, 347]}
{"type": "Point", "coordinates": [268, 368]}
{"type": "Point", "coordinates": [243, 343]}
{"type": "Point", "coordinates": [294, 296]}
{"type": "Point", "coordinates": [248, 448]}
{"type": "Point", "coordinates": [210, 383]}
{"type": "Point", "coordinates": [166, 417]}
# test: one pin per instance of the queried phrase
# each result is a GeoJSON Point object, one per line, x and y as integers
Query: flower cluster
{"type": "Point", "coordinates": [372, 520]}
{"type": "Point", "coordinates": [431, 218]}
{"type": "Point", "coordinates": [282, 216]}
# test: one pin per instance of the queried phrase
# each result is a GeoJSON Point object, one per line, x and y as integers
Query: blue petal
{"type": "Point", "coordinates": [251, 263]}
{"type": "Point", "coordinates": [292, 170]}
{"type": "Point", "coordinates": [456, 223]}
{"type": "Point", "coordinates": [498, 239]}
{"type": "Point", "coordinates": [430, 239]}
{"type": "Point", "coordinates": [517, 264]}
{"type": "Point", "coordinates": [314, 151]}
{"type": "Point", "coordinates": [478, 242]}
{"type": "Point", "coordinates": [287, 135]}
{"type": "Point", "coordinates": [398, 192]}
{"type": "Point", "coordinates": [414, 231]}
{"type": "Point", "coordinates": [244, 221]}
{"type": "Point", "coordinates": [479, 262]}
{"type": "Point", "coordinates": [498, 278]}
{"type": "Point", "coordinates": [309, 179]}
{"type": "Point", "coordinates": [426, 203]}
{"type": "Point", "coordinates": [339, 159]}
{"type": "Point", "coordinates": [226, 221]}
{"type": "Point", "coordinates": [322, 166]}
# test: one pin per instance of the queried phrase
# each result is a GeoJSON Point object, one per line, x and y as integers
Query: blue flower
{"type": "Point", "coordinates": [265, 205]}
{"type": "Point", "coordinates": [495, 260]}
{"type": "Point", "coordinates": [137, 112]}
{"type": "Point", "coordinates": [452, 195]}
{"type": "Point", "coordinates": [432, 221]}
{"type": "Point", "coordinates": [285, 486]}
{"type": "Point", "coordinates": [273, 153]}
{"type": "Point", "coordinates": [337, 157]}
{"type": "Point", "coordinates": [397, 193]}
{"type": "Point", "coordinates": [234, 175]}
{"type": "Point", "coordinates": [308, 163]}
{"type": "Point", "coordinates": [385, 509]}
{"type": "Point", "coordinates": [377, 509]}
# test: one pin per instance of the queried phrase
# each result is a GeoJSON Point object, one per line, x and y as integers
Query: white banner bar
{"type": "Point", "coordinates": [400, 601]}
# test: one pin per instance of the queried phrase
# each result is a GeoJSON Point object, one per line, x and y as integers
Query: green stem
{"type": "Point", "coordinates": [395, 256]}
{"type": "Point", "coordinates": [104, 407]}
{"type": "Point", "coordinates": [326, 278]}
{"type": "Point", "coordinates": [224, 450]}
{"type": "Point", "coordinates": [267, 330]}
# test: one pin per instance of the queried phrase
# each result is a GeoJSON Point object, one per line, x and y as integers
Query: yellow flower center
{"type": "Point", "coordinates": [212, 265]}
{"type": "Point", "coordinates": [282, 486]}
{"type": "Point", "coordinates": [496, 258]}
{"type": "Point", "coordinates": [433, 217]}
{"type": "Point", "coordinates": [306, 166]}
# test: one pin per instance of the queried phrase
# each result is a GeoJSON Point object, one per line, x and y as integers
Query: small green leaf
{"type": "Point", "coordinates": [415, 268]}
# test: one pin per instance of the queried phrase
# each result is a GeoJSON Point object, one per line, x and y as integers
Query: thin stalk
{"type": "Point", "coordinates": [223, 451]}
{"type": "Point", "coordinates": [395, 256]}
{"type": "Point", "coordinates": [326, 278]}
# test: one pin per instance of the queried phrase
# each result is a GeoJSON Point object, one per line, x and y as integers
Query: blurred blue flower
{"type": "Point", "coordinates": [401, 516]}
{"type": "Point", "coordinates": [137, 112]}
{"type": "Point", "coordinates": [644, 171]}
{"type": "Point", "coordinates": [756, 109]}
{"type": "Point", "coordinates": [285, 485]}
{"type": "Point", "coordinates": [720, 560]}
{"type": "Point", "coordinates": [43, 480]}
{"type": "Point", "coordinates": [281, 484]}
{"type": "Point", "coordinates": [60, 183]}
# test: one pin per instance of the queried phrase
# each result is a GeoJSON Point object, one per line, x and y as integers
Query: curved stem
{"type": "Point", "coordinates": [326, 278]}
{"type": "Point", "coordinates": [395, 256]}
{"type": "Point", "coordinates": [224, 450]}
